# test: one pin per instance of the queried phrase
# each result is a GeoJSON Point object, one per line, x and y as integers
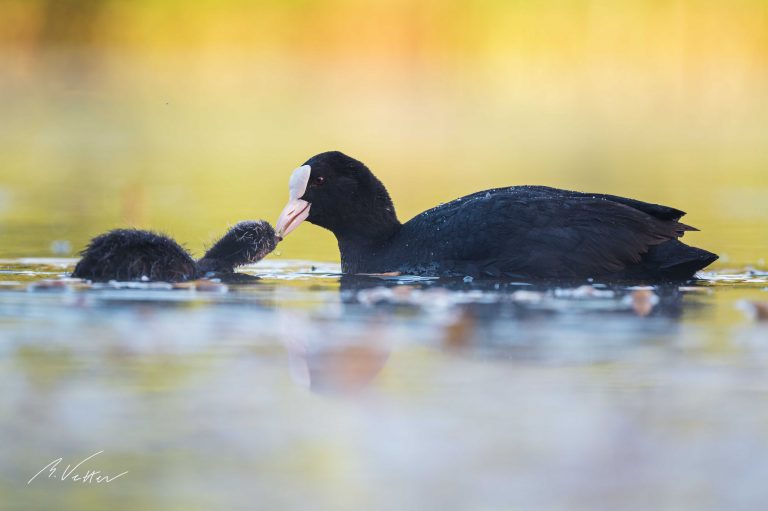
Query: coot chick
{"type": "Point", "coordinates": [520, 232]}
{"type": "Point", "coordinates": [132, 254]}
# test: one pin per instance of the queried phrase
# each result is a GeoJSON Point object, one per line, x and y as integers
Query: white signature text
{"type": "Point", "coordinates": [72, 473]}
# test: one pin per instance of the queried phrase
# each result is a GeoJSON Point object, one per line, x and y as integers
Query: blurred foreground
{"type": "Point", "coordinates": [383, 394]}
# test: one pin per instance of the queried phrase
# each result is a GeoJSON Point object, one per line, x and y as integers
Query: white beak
{"type": "Point", "coordinates": [297, 210]}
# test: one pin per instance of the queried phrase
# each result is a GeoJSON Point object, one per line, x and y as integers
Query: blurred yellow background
{"type": "Point", "coordinates": [188, 116]}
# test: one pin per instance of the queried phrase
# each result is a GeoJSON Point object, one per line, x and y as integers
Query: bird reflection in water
{"type": "Point", "coordinates": [499, 320]}
{"type": "Point", "coordinates": [331, 360]}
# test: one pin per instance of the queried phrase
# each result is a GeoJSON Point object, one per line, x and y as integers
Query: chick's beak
{"type": "Point", "coordinates": [297, 209]}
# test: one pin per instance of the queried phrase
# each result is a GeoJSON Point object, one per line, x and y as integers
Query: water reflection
{"type": "Point", "coordinates": [302, 373]}
{"type": "Point", "coordinates": [493, 297]}
{"type": "Point", "coordinates": [339, 330]}
{"type": "Point", "coordinates": [344, 350]}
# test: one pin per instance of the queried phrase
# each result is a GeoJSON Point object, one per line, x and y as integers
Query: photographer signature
{"type": "Point", "coordinates": [71, 474]}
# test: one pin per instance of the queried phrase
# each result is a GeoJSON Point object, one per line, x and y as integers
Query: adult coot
{"type": "Point", "coordinates": [132, 254]}
{"type": "Point", "coordinates": [525, 232]}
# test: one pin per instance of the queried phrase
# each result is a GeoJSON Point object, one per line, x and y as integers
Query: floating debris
{"type": "Point", "coordinates": [204, 285]}
{"type": "Point", "coordinates": [523, 295]}
{"type": "Point", "coordinates": [642, 301]}
{"type": "Point", "coordinates": [113, 284]}
{"type": "Point", "coordinates": [758, 311]}
{"type": "Point", "coordinates": [584, 292]}
{"type": "Point", "coordinates": [459, 330]}
{"type": "Point", "coordinates": [63, 284]}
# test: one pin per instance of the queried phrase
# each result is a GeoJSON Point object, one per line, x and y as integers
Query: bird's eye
{"type": "Point", "coordinates": [319, 180]}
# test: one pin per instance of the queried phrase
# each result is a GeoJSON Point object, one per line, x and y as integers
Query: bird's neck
{"type": "Point", "coordinates": [362, 249]}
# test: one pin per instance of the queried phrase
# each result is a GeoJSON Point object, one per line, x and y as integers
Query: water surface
{"type": "Point", "coordinates": [370, 393]}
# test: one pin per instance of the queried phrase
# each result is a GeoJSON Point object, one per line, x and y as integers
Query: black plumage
{"type": "Point", "coordinates": [245, 243]}
{"type": "Point", "coordinates": [521, 232]}
{"type": "Point", "coordinates": [133, 254]}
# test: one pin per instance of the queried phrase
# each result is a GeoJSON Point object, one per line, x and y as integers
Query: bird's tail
{"type": "Point", "coordinates": [675, 261]}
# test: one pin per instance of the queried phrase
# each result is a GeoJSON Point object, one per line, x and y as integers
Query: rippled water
{"type": "Point", "coordinates": [370, 393]}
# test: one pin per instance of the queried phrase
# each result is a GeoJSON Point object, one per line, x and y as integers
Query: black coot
{"type": "Point", "coordinates": [525, 232]}
{"type": "Point", "coordinates": [132, 254]}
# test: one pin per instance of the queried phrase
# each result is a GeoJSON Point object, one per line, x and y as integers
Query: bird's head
{"type": "Point", "coordinates": [340, 194]}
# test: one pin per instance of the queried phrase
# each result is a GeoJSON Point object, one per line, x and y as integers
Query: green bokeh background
{"type": "Point", "coordinates": [188, 116]}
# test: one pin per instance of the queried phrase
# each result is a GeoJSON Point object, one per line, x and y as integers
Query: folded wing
{"type": "Point", "coordinates": [545, 232]}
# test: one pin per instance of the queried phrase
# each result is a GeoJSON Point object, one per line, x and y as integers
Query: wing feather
{"type": "Point", "coordinates": [546, 232]}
